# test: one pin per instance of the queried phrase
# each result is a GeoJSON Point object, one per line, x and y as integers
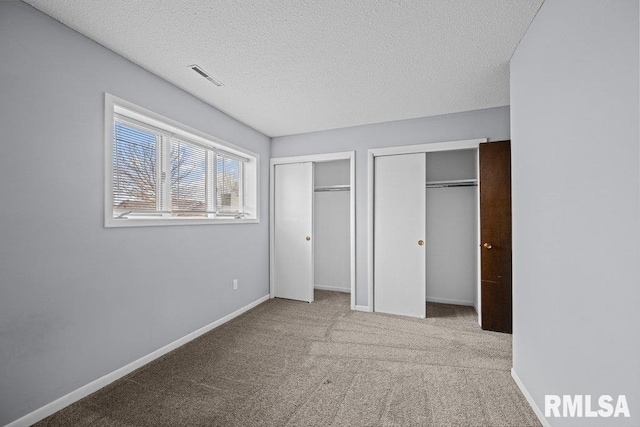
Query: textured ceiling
{"type": "Point", "coordinates": [293, 66]}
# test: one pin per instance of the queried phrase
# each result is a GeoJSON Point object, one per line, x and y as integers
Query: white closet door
{"type": "Point", "coordinates": [293, 220]}
{"type": "Point", "coordinates": [399, 227]}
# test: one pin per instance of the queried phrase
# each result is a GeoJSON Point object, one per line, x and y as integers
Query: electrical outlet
{"type": "Point", "coordinates": [234, 285]}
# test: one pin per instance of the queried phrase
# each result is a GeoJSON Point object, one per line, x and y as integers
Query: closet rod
{"type": "Point", "coordinates": [452, 183]}
{"type": "Point", "coordinates": [332, 188]}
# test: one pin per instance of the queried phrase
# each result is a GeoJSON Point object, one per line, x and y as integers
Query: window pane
{"type": "Point", "coordinates": [188, 179]}
{"type": "Point", "coordinates": [134, 169]}
{"type": "Point", "coordinates": [228, 184]}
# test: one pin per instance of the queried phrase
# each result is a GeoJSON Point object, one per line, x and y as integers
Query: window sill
{"type": "Point", "coordinates": [146, 222]}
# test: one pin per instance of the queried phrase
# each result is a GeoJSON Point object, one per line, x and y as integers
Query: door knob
{"type": "Point", "coordinates": [420, 242]}
{"type": "Point", "coordinates": [308, 237]}
{"type": "Point", "coordinates": [487, 246]}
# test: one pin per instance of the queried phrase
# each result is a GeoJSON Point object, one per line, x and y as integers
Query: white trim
{"type": "Point", "coordinates": [534, 406]}
{"type": "Point", "coordinates": [370, 224]}
{"type": "Point", "coordinates": [313, 231]}
{"type": "Point", "coordinates": [352, 227]}
{"type": "Point", "coordinates": [465, 144]}
{"type": "Point", "coordinates": [124, 107]}
{"type": "Point", "coordinates": [178, 221]}
{"type": "Point", "coordinates": [451, 301]}
{"type": "Point", "coordinates": [66, 400]}
{"type": "Point", "coordinates": [332, 288]}
{"type": "Point", "coordinates": [272, 244]}
{"type": "Point", "coordinates": [478, 301]}
{"type": "Point", "coordinates": [362, 308]}
{"type": "Point", "coordinates": [314, 158]}
{"type": "Point", "coordinates": [107, 171]}
{"type": "Point", "coordinates": [114, 105]}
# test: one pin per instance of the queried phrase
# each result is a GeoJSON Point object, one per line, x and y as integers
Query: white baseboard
{"type": "Point", "coordinates": [93, 386]}
{"type": "Point", "coordinates": [534, 406]}
{"type": "Point", "coordinates": [362, 308]}
{"type": "Point", "coordinates": [332, 288]}
{"type": "Point", "coordinates": [450, 301]}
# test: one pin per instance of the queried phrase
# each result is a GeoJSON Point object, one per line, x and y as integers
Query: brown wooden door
{"type": "Point", "coordinates": [495, 235]}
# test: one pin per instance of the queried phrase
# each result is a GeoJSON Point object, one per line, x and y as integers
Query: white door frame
{"type": "Point", "coordinates": [316, 158]}
{"type": "Point", "coordinates": [410, 149]}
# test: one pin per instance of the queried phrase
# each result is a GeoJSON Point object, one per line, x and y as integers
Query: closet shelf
{"type": "Point", "coordinates": [453, 183]}
{"type": "Point", "coordinates": [332, 188]}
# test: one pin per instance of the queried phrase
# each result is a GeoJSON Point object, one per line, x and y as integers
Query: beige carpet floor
{"type": "Point", "coordinates": [289, 363]}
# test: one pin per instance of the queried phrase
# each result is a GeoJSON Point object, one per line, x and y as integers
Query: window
{"type": "Point", "coordinates": [161, 172]}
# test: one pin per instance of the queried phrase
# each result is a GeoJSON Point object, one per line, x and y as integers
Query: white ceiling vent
{"type": "Point", "coordinates": [204, 74]}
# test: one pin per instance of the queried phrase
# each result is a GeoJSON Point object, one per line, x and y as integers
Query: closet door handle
{"type": "Point", "coordinates": [487, 246]}
{"type": "Point", "coordinates": [420, 242]}
{"type": "Point", "coordinates": [308, 238]}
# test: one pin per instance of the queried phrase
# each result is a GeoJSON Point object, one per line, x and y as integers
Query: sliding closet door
{"type": "Point", "coordinates": [495, 235]}
{"type": "Point", "coordinates": [293, 225]}
{"type": "Point", "coordinates": [399, 233]}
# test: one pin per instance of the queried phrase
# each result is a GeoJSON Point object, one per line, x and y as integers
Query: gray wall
{"type": "Point", "coordinates": [452, 229]}
{"type": "Point", "coordinates": [331, 226]}
{"type": "Point", "coordinates": [576, 204]}
{"type": "Point", "coordinates": [78, 301]}
{"type": "Point", "coordinates": [491, 123]}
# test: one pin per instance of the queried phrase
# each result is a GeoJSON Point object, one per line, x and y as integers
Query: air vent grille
{"type": "Point", "coordinates": [204, 74]}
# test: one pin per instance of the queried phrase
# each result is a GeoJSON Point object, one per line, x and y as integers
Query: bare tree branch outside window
{"type": "Point", "coordinates": [135, 178]}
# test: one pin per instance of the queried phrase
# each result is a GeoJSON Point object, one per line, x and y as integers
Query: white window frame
{"type": "Point", "coordinates": [251, 168]}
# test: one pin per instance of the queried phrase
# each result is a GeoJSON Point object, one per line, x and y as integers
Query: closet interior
{"type": "Point", "coordinates": [331, 226]}
{"type": "Point", "coordinates": [452, 227]}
